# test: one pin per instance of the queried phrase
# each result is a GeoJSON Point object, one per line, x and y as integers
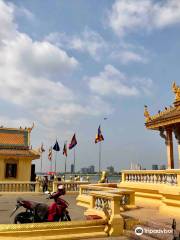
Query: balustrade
{"type": "Point", "coordinates": [169, 177]}
{"type": "Point", "coordinates": [17, 186]}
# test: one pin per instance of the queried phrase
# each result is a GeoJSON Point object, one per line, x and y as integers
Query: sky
{"type": "Point", "coordinates": [67, 65]}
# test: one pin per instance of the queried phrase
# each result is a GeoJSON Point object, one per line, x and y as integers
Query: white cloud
{"type": "Point", "coordinates": [88, 41]}
{"type": "Point", "coordinates": [8, 27]}
{"type": "Point", "coordinates": [111, 81]}
{"type": "Point", "coordinates": [128, 56]}
{"type": "Point", "coordinates": [27, 70]}
{"type": "Point", "coordinates": [129, 15]}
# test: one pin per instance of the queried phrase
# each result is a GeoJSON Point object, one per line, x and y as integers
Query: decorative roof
{"type": "Point", "coordinates": [18, 138]}
{"type": "Point", "coordinates": [168, 117]}
{"type": "Point", "coordinates": [19, 153]}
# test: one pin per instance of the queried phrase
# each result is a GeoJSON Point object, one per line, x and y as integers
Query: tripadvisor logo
{"type": "Point", "coordinates": [138, 231]}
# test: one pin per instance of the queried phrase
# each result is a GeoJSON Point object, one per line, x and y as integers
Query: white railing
{"type": "Point", "coordinates": [169, 177]}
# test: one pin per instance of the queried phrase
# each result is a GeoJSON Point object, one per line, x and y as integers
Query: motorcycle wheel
{"type": "Point", "coordinates": [65, 217]}
{"type": "Point", "coordinates": [23, 217]}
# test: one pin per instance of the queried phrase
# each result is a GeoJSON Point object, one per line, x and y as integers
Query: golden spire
{"type": "Point", "coordinates": [146, 114]}
{"type": "Point", "coordinates": [176, 90]}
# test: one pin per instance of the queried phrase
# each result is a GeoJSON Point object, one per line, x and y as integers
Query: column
{"type": "Point", "coordinates": [169, 142]}
{"type": "Point", "coordinates": [179, 154]}
{"type": "Point", "coordinates": [177, 136]}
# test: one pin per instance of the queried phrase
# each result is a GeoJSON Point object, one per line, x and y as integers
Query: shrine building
{"type": "Point", "coordinates": [167, 122]}
{"type": "Point", "coordinates": [15, 154]}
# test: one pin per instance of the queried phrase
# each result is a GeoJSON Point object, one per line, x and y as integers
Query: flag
{"type": "Point", "coordinates": [73, 142]}
{"type": "Point", "coordinates": [50, 154]}
{"type": "Point", "coordinates": [65, 150]}
{"type": "Point", "coordinates": [56, 146]}
{"type": "Point", "coordinates": [42, 148]}
{"type": "Point", "coordinates": [99, 136]}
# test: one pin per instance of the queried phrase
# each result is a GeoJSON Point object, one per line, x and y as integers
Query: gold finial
{"type": "Point", "coordinates": [30, 128]}
{"type": "Point", "coordinates": [146, 114]}
{"type": "Point", "coordinates": [176, 90]}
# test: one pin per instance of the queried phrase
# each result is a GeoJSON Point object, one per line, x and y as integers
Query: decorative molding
{"type": "Point", "coordinates": [176, 90]}
{"type": "Point", "coordinates": [146, 114]}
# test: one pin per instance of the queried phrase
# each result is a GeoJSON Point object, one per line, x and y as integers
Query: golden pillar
{"type": "Point", "coordinates": [169, 144]}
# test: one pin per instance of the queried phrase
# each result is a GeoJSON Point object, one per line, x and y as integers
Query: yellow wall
{"type": "Point", "coordinates": [23, 168]}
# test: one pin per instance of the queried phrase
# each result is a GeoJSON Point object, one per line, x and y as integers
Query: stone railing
{"type": "Point", "coordinates": [127, 197]}
{"type": "Point", "coordinates": [17, 186]}
{"type": "Point", "coordinates": [70, 186]}
{"type": "Point", "coordinates": [169, 177]}
{"type": "Point", "coordinates": [106, 205]}
{"type": "Point", "coordinates": [86, 189]}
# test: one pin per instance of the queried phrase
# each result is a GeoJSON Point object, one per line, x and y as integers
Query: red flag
{"type": "Point", "coordinates": [73, 142]}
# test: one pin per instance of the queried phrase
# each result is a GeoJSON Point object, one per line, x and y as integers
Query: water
{"type": "Point", "coordinates": [92, 178]}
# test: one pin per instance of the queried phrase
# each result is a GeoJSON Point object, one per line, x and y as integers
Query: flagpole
{"type": "Point", "coordinates": [65, 165]}
{"type": "Point", "coordinates": [51, 165]}
{"type": "Point", "coordinates": [74, 159]}
{"type": "Point", "coordinates": [55, 161]}
{"type": "Point", "coordinates": [41, 162]}
{"type": "Point", "coordinates": [99, 157]}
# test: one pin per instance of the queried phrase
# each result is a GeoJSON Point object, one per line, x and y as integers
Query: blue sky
{"type": "Point", "coordinates": [66, 65]}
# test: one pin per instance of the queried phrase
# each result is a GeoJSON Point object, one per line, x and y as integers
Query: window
{"type": "Point", "coordinates": [11, 170]}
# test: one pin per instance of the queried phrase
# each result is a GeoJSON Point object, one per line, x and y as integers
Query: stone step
{"type": "Point", "coordinates": [153, 235]}
{"type": "Point", "coordinates": [131, 235]}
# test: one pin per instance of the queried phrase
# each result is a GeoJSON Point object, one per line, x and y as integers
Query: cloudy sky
{"type": "Point", "coordinates": [66, 65]}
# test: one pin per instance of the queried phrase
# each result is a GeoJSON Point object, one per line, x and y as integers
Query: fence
{"type": "Point", "coordinates": [169, 177]}
{"type": "Point", "coordinates": [71, 186]}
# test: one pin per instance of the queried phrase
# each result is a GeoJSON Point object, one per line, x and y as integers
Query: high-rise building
{"type": "Point", "coordinates": [91, 169]}
{"type": "Point", "coordinates": [110, 169]}
{"type": "Point", "coordinates": [72, 168]}
{"type": "Point", "coordinates": [154, 167]}
{"type": "Point", "coordinates": [84, 170]}
{"type": "Point", "coordinates": [162, 167]}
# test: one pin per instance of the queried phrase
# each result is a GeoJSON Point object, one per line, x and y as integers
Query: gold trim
{"type": "Point", "coordinates": [49, 225]}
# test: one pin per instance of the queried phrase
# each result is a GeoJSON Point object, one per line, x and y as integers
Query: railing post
{"type": "Point", "coordinates": [55, 184]}
{"type": "Point", "coordinates": [116, 223]}
{"type": "Point", "coordinates": [178, 179]}
{"type": "Point", "coordinates": [37, 185]}
{"type": "Point", "coordinates": [123, 177]}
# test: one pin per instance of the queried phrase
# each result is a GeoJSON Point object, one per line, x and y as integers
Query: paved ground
{"type": "Point", "coordinates": [8, 201]}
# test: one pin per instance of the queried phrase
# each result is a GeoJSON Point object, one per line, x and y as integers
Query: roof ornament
{"type": "Point", "coordinates": [176, 90]}
{"type": "Point", "coordinates": [30, 128]}
{"type": "Point", "coordinates": [146, 114]}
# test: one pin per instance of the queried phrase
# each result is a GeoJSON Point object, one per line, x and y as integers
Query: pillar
{"type": "Point", "coordinates": [176, 130]}
{"type": "Point", "coordinates": [169, 144]}
{"type": "Point", "coordinates": [179, 155]}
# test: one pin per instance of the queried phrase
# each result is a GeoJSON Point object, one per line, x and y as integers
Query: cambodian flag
{"type": "Point", "coordinates": [73, 142]}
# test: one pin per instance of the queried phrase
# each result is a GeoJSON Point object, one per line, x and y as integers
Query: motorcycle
{"type": "Point", "coordinates": [39, 212]}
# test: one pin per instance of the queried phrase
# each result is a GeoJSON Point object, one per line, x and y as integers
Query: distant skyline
{"type": "Point", "coordinates": [67, 65]}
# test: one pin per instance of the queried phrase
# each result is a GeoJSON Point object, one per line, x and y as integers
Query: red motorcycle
{"type": "Point", "coordinates": [41, 212]}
